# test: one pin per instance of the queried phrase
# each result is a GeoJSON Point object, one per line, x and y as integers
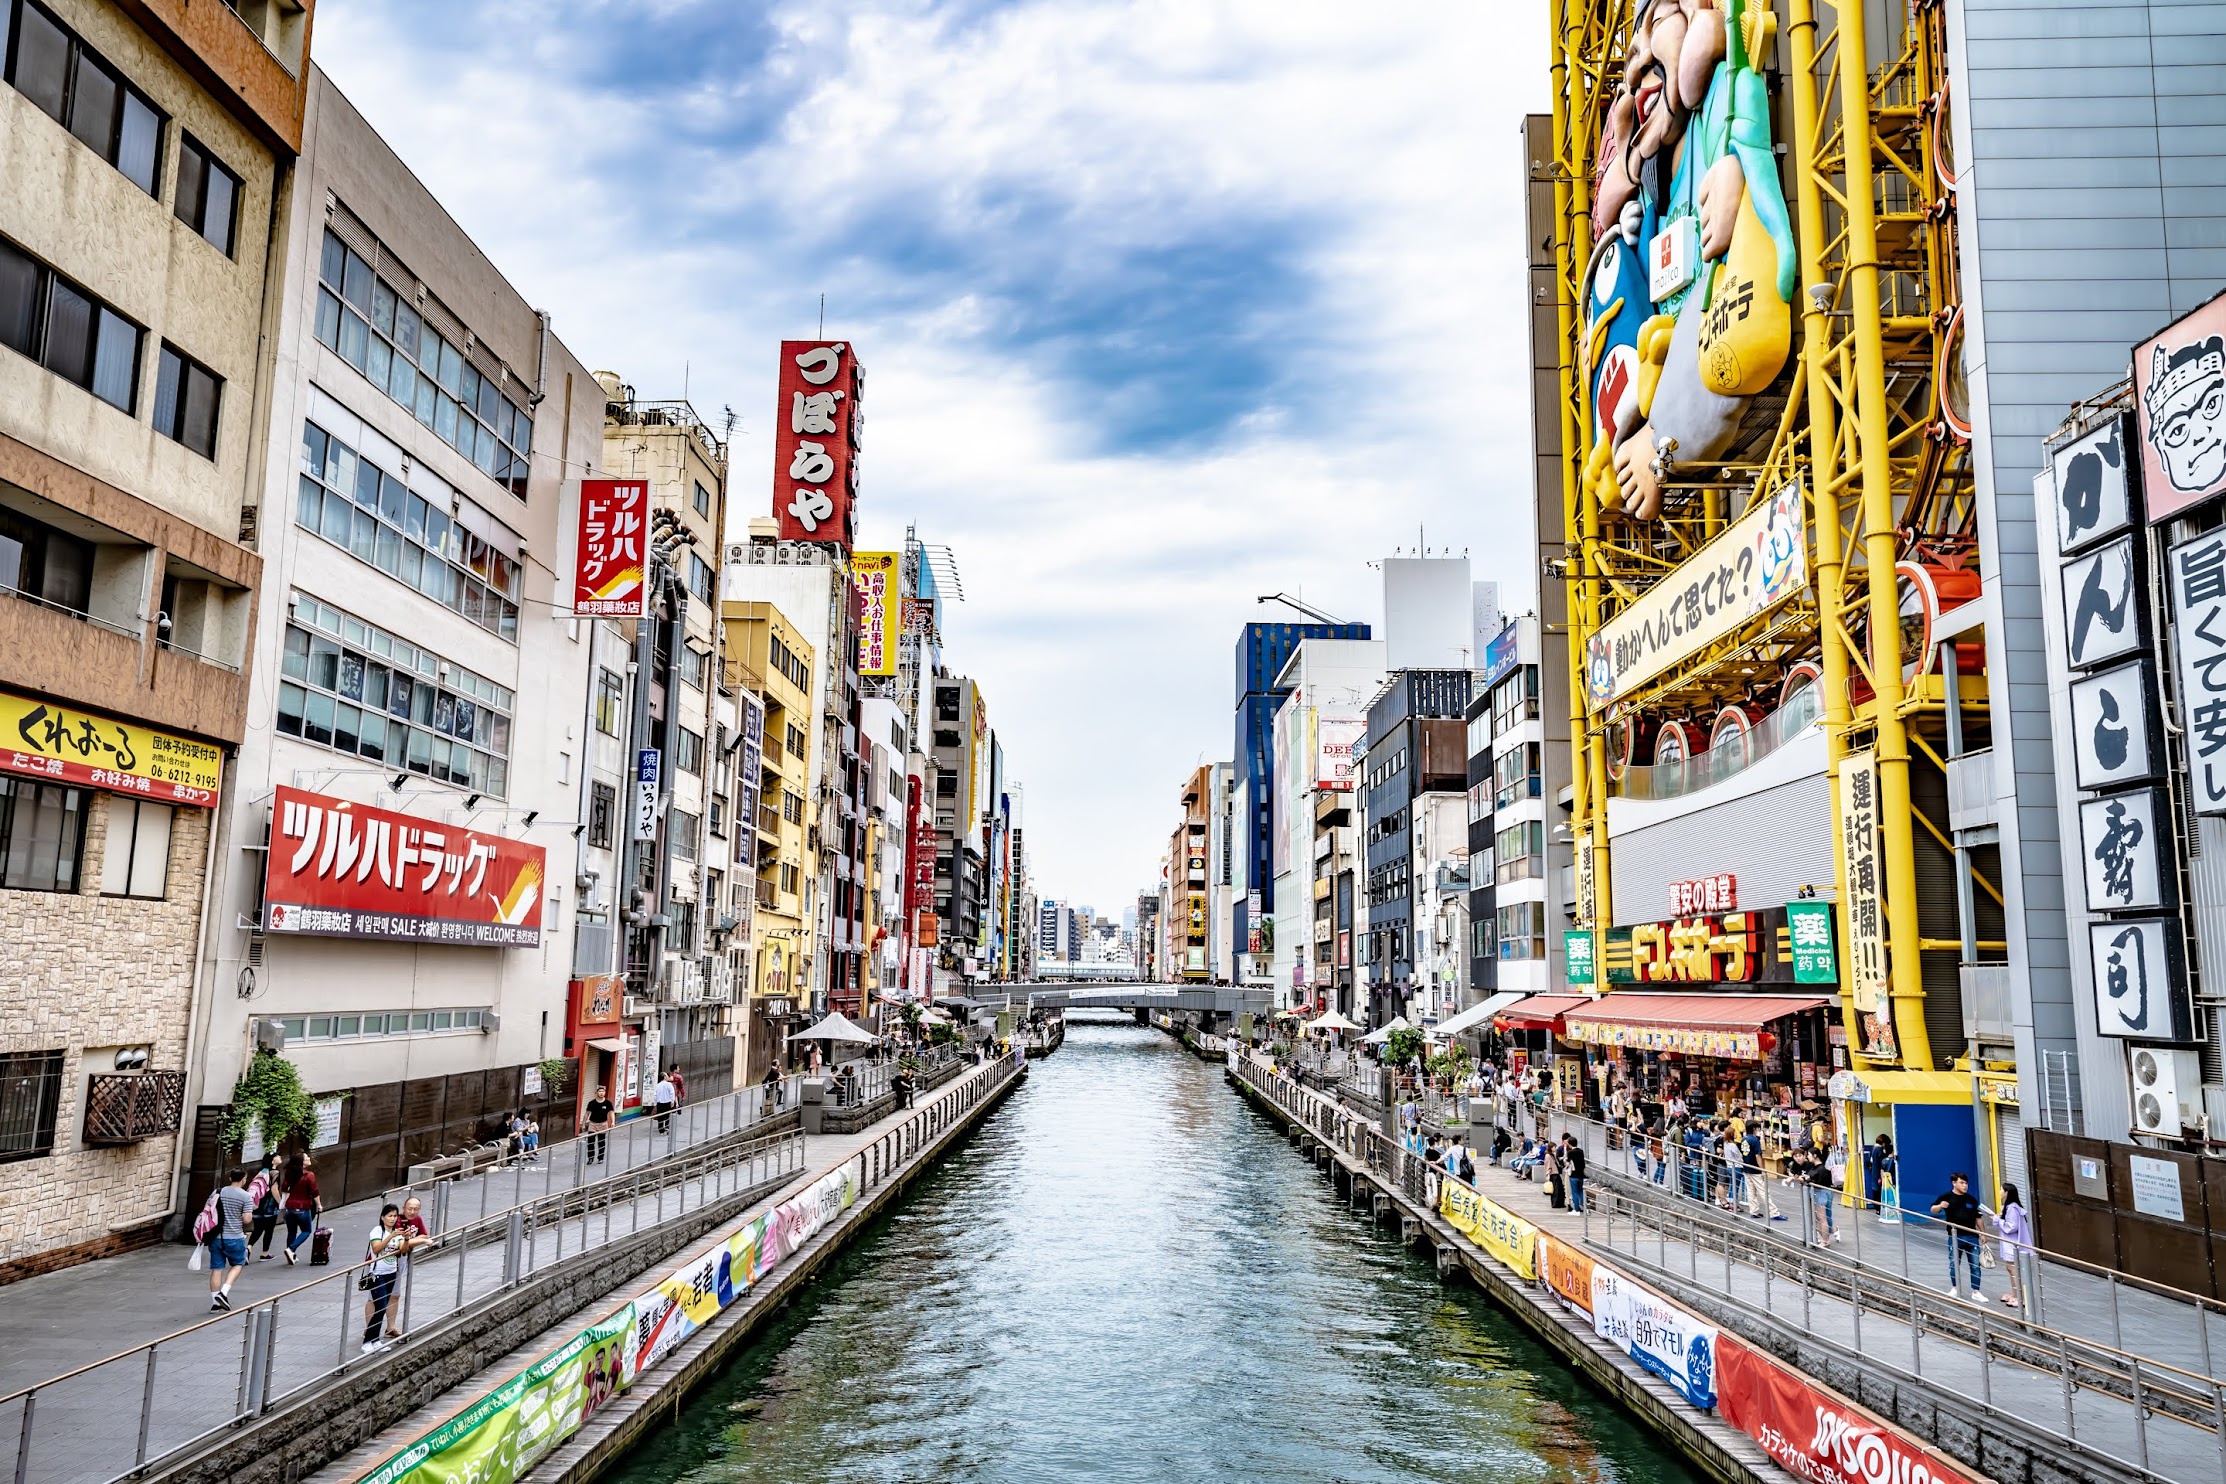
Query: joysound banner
{"type": "Point", "coordinates": [1816, 1434]}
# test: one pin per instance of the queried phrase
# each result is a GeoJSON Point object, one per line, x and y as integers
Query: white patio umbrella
{"type": "Point", "coordinates": [1330, 1020]}
{"type": "Point", "coordinates": [1383, 1033]}
{"type": "Point", "coordinates": [836, 1027]}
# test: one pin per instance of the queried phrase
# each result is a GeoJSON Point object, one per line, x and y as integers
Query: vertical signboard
{"type": "Point", "coordinates": [2140, 984]}
{"type": "Point", "coordinates": [1866, 925]}
{"type": "Point", "coordinates": [2196, 573]}
{"type": "Point", "coordinates": [1336, 740]}
{"type": "Point", "coordinates": [1809, 931]}
{"type": "Point", "coordinates": [1576, 953]}
{"type": "Point", "coordinates": [752, 722]}
{"type": "Point", "coordinates": [1588, 889]}
{"type": "Point", "coordinates": [879, 591]}
{"type": "Point", "coordinates": [648, 765]}
{"type": "Point", "coordinates": [815, 446]}
{"type": "Point", "coordinates": [609, 561]}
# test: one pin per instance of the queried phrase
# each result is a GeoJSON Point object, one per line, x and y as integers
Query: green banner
{"type": "Point", "coordinates": [1809, 926]}
{"type": "Point", "coordinates": [1576, 952]}
{"type": "Point", "coordinates": [510, 1429]}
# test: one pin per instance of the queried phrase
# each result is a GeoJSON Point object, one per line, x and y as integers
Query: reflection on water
{"type": "Point", "coordinates": [1125, 1275]}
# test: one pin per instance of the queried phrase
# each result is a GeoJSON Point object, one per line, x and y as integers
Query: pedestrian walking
{"type": "Point", "coordinates": [227, 1237]}
{"type": "Point", "coordinates": [662, 1100]}
{"type": "Point", "coordinates": [775, 1092]}
{"type": "Point", "coordinates": [2013, 1230]}
{"type": "Point", "coordinates": [269, 1191]}
{"type": "Point", "coordinates": [303, 1205]}
{"type": "Point", "coordinates": [1958, 1210]}
{"type": "Point", "coordinates": [1573, 1157]}
{"type": "Point", "coordinates": [901, 1085]}
{"type": "Point", "coordinates": [1823, 1193]}
{"type": "Point", "coordinates": [383, 1250]}
{"type": "Point", "coordinates": [679, 1089]}
{"type": "Point", "coordinates": [601, 1114]}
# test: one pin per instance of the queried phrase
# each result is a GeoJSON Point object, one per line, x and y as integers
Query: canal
{"type": "Point", "coordinates": [1127, 1275]}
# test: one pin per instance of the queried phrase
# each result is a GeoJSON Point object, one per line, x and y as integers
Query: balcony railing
{"type": "Point", "coordinates": [1675, 780]}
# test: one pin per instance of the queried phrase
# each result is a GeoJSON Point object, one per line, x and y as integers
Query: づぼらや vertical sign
{"type": "Point", "coordinates": [815, 445]}
{"type": "Point", "coordinates": [609, 561]}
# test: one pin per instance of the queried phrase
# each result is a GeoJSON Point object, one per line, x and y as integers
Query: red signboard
{"type": "Point", "coordinates": [346, 870]}
{"type": "Point", "coordinates": [815, 445]}
{"type": "Point", "coordinates": [1816, 1434]}
{"type": "Point", "coordinates": [608, 564]}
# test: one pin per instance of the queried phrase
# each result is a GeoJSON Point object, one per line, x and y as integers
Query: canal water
{"type": "Point", "coordinates": [1126, 1275]}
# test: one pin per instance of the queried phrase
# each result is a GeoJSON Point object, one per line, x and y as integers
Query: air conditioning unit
{"type": "Point", "coordinates": [2166, 1087]}
{"type": "Point", "coordinates": [738, 553]}
{"type": "Point", "coordinates": [270, 1033]}
{"type": "Point", "coordinates": [636, 1006]}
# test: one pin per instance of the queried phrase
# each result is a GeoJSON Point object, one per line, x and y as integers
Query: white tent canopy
{"type": "Point", "coordinates": [1330, 1020]}
{"type": "Point", "coordinates": [1382, 1034]}
{"type": "Point", "coordinates": [836, 1027]}
{"type": "Point", "coordinates": [1475, 1016]}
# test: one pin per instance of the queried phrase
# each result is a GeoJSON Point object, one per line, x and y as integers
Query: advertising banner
{"type": "Point", "coordinates": [1657, 1334]}
{"type": "Point", "coordinates": [1809, 932]}
{"type": "Point", "coordinates": [345, 870]}
{"type": "Point", "coordinates": [609, 561]}
{"type": "Point", "coordinates": [1499, 1231]}
{"type": "Point", "coordinates": [1752, 565]}
{"type": "Point", "coordinates": [878, 576]}
{"type": "Point", "coordinates": [1816, 1434]}
{"type": "Point", "coordinates": [1567, 1272]}
{"type": "Point", "coordinates": [506, 1432]}
{"type": "Point", "coordinates": [1336, 743]}
{"type": "Point", "coordinates": [648, 766]}
{"type": "Point", "coordinates": [815, 443]}
{"type": "Point", "coordinates": [40, 739]}
{"type": "Point", "coordinates": [2195, 573]}
{"type": "Point", "coordinates": [1502, 654]}
{"type": "Point", "coordinates": [1866, 921]}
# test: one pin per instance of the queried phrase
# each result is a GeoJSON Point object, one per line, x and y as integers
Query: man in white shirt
{"type": "Point", "coordinates": [662, 1100]}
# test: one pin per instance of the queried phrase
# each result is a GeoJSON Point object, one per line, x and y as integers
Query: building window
{"type": "Point", "coordinates": [682, 930]}
{"type": "Point", "coordinates": [208, 194]}
{"type": "Point", "coordinates": [374, 327]}
{"type": "Point", "coordinates": [695, 665]}
{"type": "Point", "coordinates": [792, 806]}
{"type": "Point", "coordinates": [39, 562]}
{"type": "Point", "coordinates": [788, 877]}
{"type": "Point", "coordinates": [610, 697]}
{"type": "Point", "coordinates": [187, 396]}
{"type": "Point", "coordinates": [42, 835]}
{"type": "Point", "coordinates": [30, 1092]}
{"type": "Point", "coordinates": [1521, 850]}
{"type": "Point", "coordinates": [687, 751]}
{"type": "Point", "coordinates": [356, 1026]}
{"type": "Point", "coordinates": [76, 88]}
{"type": "Point", "coordinates": [353, 503]}
{"type": "Point", "coordinates": [1522, 931]}
{"type": "Point", "coordinates": [1515, 700]}
{"type": "Point", "coordinates": [65, 329]}
{"type": "Point", "coordinates": [1481, 938]}
{"type": "Point", "coordinates": [136, 860]}
{"type": "Point", "coordinates": [703, 499]}
{"type": "Point", "coordinates": [683, 832]}
{"type": "Point", "coordinates": [358, 689]}
{"type": "Point", "coordinates": [602, 809]}
{"type": "Point", "coordinates": [702, 581]}
{"type": "Point", "coordinates": [1515, 774]}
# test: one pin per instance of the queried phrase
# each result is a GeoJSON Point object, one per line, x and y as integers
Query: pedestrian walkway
{"type": "Point", "coordinates": [56, 1322]}
{"type": "Point", "coordinates": [2081, 1400]}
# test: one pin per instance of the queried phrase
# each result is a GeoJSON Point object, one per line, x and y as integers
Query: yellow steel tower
{"type": "Point", "coordinates": [1860, 421]}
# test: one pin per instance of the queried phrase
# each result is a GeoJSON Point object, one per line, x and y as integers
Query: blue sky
{"type": "Point", "coordinates": [1164, 305]}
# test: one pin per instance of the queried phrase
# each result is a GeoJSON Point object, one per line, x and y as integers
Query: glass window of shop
{"type": "Point", "coordinates": [1515, 700]}
{"type": "Point", "coordinates": [358, 506]}
{"type": "Point", "coordinates": [358, 689]}
{"type": "Point", "coordinates": [1515, 775]}
{"type": "Point", "coordinates": [1521, 852]}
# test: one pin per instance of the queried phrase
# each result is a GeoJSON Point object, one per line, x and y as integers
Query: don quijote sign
{"type": "Point", "coordinates": [341, 869]}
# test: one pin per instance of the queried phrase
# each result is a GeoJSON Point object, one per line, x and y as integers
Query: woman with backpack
{"type": "Point", "coordinates": [269, 1191]}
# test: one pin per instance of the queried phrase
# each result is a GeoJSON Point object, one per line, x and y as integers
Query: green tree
{"type": "Point", "coordinates": [270, 1096]}
{"type": "Point", "coordinates": [1403, 1046]}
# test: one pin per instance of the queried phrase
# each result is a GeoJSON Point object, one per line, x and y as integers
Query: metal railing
{"type": "Point", "coordinates": [887, 1153]}
{"type": "Point", "coordinates": [638, 1141]}
{"type": "Point", "coordinates": [132, 1411]}
{"type": "Point", "coordinates": [2134, 1414]}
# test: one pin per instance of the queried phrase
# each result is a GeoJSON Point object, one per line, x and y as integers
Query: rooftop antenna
{"type": "Point", "coordinates": [823, 316]}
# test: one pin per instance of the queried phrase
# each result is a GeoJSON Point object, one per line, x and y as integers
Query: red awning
{"type": "Point", "coordinates": [1728, 1025]}
{"type": "Point", "coordinates": [1540, 1011]}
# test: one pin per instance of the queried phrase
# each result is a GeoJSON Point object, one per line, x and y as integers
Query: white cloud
{"type": "Point", "coordinates": [960, 186]}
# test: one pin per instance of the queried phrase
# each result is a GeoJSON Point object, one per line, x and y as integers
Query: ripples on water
{"type": "Point", "coordinates": [1125, 1275]}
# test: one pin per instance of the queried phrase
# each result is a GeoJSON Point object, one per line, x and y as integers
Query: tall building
{"type": "Point", "coordinates": [959, 736]}
{"type": "Point", "coordinates": [1190, 955]}
{"type": "Point", "coordinates": [146, 220]}
{"type": "Point", "coordinates": [1412, 752]}
{"type": "Point", "coordinates": [398, 872]}
{"type": "Point", "coordinates": [1262, 651]}
{"type": "Point", "coordinates": [675, 970]}
{"type": "Point", "coordinates": [1327, 684]}
{"type": "Point", "coordinates": [765, 653]}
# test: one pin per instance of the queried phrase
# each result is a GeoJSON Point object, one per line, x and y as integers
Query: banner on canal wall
{"type": "Point", "coordinates": [1566, 1271]}
{"type": "Point", "coordinates": [515, 1426]}
{"type": "Point", "coordinates": [1815, 1434]}
{"type": "Point", "coordinates": [505, 1433]}
{"type": "Point", "coordinates": [1491, 1226]}
{"type": "Point", "coordinates": [1656, 1333]}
